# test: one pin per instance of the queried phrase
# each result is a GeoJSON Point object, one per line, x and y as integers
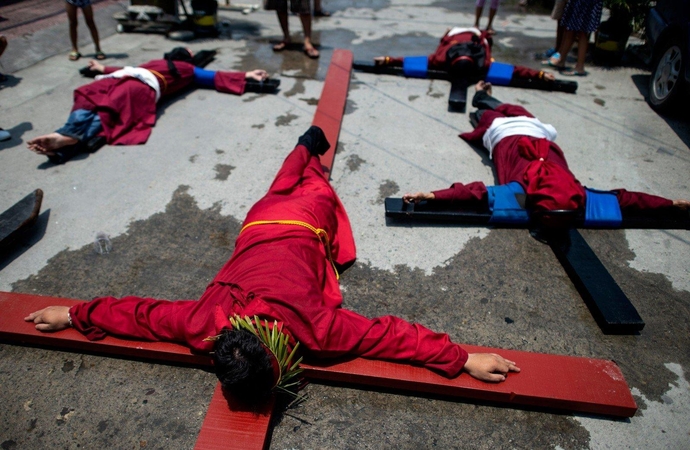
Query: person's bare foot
{"type": "Point", "coordinates": [47, 144]}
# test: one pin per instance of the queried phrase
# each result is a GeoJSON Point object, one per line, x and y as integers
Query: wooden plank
{"type": "Point", "coordinates": [331, 107]}
{"type": "Point", "coordinates": [435, 212]}
{"type": "Point", "coordinates": [549, 381]}
{"type": "Point", "coordinates": [609, 305]}
{"type": "Point", "coordinates": [558, 382]}
{"type": "Point", "coordinates": [457, 99]}
{"type": "Point", "coordinates": [231, 426]}
{"type": "Point", "coordinates": [19, 218]}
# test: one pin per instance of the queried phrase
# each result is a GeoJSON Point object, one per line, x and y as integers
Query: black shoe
{"type": "Point", "coordinates": [262, 87]}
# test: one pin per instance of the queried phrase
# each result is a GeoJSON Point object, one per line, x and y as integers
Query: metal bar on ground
{"type": "Point", "coordinates": [549, 381]}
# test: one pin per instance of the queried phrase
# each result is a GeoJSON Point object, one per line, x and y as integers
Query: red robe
{"type": "Point", "coordinates": [511, 165]}
{"type": "Point", "coordinates": [127, 106]}
{"type": "Point", "coordinates": [280, 272]}
{"type": "Point", "coordinates": [438, 60]}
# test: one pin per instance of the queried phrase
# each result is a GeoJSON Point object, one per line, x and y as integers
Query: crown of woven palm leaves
{"type": "Point", "coordinates": [276, 341]}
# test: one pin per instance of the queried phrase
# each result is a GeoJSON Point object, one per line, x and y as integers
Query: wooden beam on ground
{"type": "Point", "coordinates": [331, 108]}
{"type": "Point", "coordinates": [610, 307]}
{"type": "Point", "coordinates": [549, 381]}
{"type": "Point", "coordinates": [228, 425]}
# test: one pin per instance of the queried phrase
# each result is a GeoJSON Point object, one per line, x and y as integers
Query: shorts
{"type": "Point", "coordinates": [79, 3]}
{"type": "Point", "coordinates": [296, 6]}
{"type": "Point", "coordinates": [558, 8]}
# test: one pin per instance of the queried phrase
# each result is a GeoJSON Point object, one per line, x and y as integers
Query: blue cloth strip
{"type": "Point", "coordinates": [415, 66]}
{"type": "Point", "coordinates": [203, 77]}
{"type": "Point", "coordinates": [602, 209]}
{"type": "Point", "coordinates": [500, 74]}
{"type": "Point", "coordinates": [503, 204]}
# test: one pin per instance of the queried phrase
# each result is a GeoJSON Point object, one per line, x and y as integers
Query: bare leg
{"type": "Point", "coordinates": [489, 26]}
{"type": "Point", "coordinates": [566, 45]}
{"type": "Point", "coordinates": [47, 144]}
{"type": "Point", "coordinates": [559, 36]}
{"type": "Point", "coordinates": [477, 15]}
{"type": "Point", "coordinates": [308, 46]}
{"type": "Point", "coordinates": [88, 17]}
{"type": "Point", "coordinates": [283, 20]}
{"type": "Point", "coordinates": [3, 44]}
{"type": "Point", "coordinates": [72, 16]}
{"type": "Point", "coordinates": [582, 43]}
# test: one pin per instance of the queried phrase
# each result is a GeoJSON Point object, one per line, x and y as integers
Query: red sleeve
{"type": "Point", "coordinates": [484, 123]}
{"type": "Point", "coordinates": [525, 72]}
{"type": "Point", "coordinates": [638, 202]}
{"type": "Point", "coordinates": [341, 332]}
{"type": "Point", "coordinates": [230, 82]}
{"type": "Point", "coordinates": [110, 69]}
{"type": "Point", "coordinates": [471, 194]}
{"type": "Point", "coordinates": [395, 62]}
{"type": "Point", "coordinates": [130, 317]}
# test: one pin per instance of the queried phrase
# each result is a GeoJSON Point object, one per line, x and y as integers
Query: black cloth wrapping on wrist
{"type": "Point", "coordinates": [315, 141]}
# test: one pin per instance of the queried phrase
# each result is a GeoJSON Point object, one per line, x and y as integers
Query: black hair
{"type": "Point", "coordinates": [177, 54]}
{"type": "Point", "coordinates": [243, 365]}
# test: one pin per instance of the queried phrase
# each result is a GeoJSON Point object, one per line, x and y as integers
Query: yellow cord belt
{"type": "Point", "coordinates": [320, 233]}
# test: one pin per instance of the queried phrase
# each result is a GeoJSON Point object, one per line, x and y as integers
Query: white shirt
{"type": "Point", "coordinates": [510, 126]}
{"type": "Point", "coordinates": [141, 74]}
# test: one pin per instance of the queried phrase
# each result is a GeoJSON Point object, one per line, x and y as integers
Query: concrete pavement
{"type": "Point", "coordinates": [173, 207]}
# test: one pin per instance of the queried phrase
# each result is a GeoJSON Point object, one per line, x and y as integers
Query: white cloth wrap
{"type": "Point", "coordinates": [457, 30]}
{"type": "Point", "coordinates": [510, 126]}
{"type": "Point", "coordinates": [141, 74]}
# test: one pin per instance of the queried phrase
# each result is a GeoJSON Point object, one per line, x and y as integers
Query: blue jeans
{"type": "Point", "coordinates": [81, 125]}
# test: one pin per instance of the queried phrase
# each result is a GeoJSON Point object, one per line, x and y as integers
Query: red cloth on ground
{"type": "Point", "coordinates": [127, 106]}
{"type": "Point", "coordinates": [513, 159]}
{"type": "Point", "coordinates": [280, 272]}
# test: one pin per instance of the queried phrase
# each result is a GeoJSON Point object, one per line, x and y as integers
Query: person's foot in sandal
{"type": "Point", "coordinates": [321, 13]}
{"type": "Point", "coordinates": [574, 73]}
{"type": "Point", "coordinates": [310, 50]}
{"type": "Point", "coordinates": [74, 55]}
{"type": "Point", "coordinates": [282, 45]}
{"type": "Point", "coordinates": [100, 55]}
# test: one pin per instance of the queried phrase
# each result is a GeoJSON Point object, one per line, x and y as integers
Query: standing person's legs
{"type": "Point", "coordinates": [582, 43]}
{"type": "Point", "coordinates": [492, 13]}
{"type": "Point", "coordinates": [566, 45]}
{"type": "Point", "coordinates": [309, 48]}
{"type": "Point", "coordinates": [319, 11]}
{"type": "Point", "coordinates": [72, 17]}
{"type": "Point", "coordinates": [88, 18]}
{"type": "Point", "coordinates": [284, 25]}
{"type": "Point", "coordinates": [479, 7]}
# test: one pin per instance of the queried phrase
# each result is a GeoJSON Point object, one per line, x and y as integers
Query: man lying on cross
{"type": "Point", "coordinates": [121, 103]}
{"type": "Point", "coordinates": [465, 53]}
{"type": "Point", "coordinates": [293, 243]}
{"type": "Point", "coordinates": [528, 161]}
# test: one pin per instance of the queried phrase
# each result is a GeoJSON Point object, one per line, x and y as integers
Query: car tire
{"type": "Point", "coordinates": [666, 82]}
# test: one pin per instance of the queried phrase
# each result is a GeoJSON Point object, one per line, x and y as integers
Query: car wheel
{"type": "Point", "coordinates": [665, 85]}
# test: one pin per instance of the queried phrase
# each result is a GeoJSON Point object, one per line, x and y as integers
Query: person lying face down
{"type": "Point", "coordinates": [465, 53]}
{"type": "Point", "coordinates": [284, 268]}
{"type": "Point", "coordinates": [121, 103]}
{"type": "Point", "coordinates": [525, 157]}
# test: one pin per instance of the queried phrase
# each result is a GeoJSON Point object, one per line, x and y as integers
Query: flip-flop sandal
{"type": "Point", "coordinates": [312, 52]}
{"type": "Point", "coordinates": [574, 73]}
{"type": "Point", "coordinates": [322, 13]}
{"type": "Point", "coordinates": [73, 56]}
{"type": "Point", "coordinates": [100, 56]}
{"type": "Point", "coordinates": [552, 61]}
{"type": "Point", "coordinates": [279, 47]}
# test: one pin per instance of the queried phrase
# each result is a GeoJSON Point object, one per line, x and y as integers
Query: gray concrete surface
{"type": "Point", "coordinates": [173, 207]}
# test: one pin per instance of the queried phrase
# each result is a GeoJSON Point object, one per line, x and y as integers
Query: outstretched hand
{"type": "Point", "coordinates": [682, 204]}
{"type": "Point", "coordinates": [257, 75]}
{"type": "Point", "coordinates": [418, 197]}
{"type": "Point", "coordinates": [548, 76]}
{"type": "Point", "coordinates": [52, 318]}
{"type": "Point", "coordinates": [96, 66]}
{"type": "Point", "coordinates": [489, 367]}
